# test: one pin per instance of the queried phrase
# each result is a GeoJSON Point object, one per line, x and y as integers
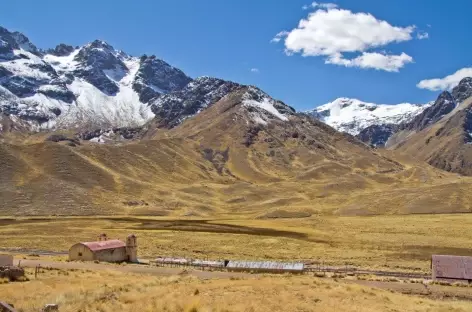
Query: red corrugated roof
{"type": "Point", "coordinates": [101, 245]}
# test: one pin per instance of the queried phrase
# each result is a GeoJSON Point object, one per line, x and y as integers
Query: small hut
{"type": "Point", "coordinates": [451, 268]}
{"type": "Point", "coordinates": [6, 260]}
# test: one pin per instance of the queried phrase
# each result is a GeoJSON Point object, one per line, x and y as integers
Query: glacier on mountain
{"type": "Point", "coordinates": [353, 116]}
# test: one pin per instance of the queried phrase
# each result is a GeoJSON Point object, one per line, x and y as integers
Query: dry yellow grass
{"type": "Point", "coordinates": [111, 291]}
{"type": "Point", "coordinates": [393, 242]}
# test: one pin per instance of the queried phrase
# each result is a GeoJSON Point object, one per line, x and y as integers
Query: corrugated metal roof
{"type": "Point", "coordinates": [265, 265]}
{"type": "Point", "coordinates": [456, 267]}
{"type": "Point", "coordinates": [195, 262]}
{"type": "Point", "coordinates": [169, 260]}
{"type": "Point", "coordinates": [208, 263]}
{"type": "Point", "coordinates": [102, 245]}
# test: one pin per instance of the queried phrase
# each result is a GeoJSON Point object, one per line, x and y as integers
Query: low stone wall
{"type": "Point", "coordinates": [6, 260]}
{"type": "Point", "coordinates": [12, 273]}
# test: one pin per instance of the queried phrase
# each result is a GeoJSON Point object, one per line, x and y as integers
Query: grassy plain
{"type": "Point", "coordinates": [396, 242]}
{"type": "Point", "coordinates": [108, 291]}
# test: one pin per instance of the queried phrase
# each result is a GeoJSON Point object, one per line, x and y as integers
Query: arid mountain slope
{"type": "Point", "coordinates": [445, 144]}
{"type": "Point", "coordinates": [442, 134]}
{"type": "Point", "coordinates": [246, 154]}
{"type": "Point", "coordinates": [262, 146]}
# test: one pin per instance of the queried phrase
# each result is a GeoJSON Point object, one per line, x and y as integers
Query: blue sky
{"type": "Point", "coordinates": [227, 39]}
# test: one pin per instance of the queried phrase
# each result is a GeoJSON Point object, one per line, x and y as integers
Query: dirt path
{"type": "Point", "coordinates": [130, 268]}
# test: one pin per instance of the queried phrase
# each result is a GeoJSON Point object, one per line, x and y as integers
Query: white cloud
{"type": "Point", "coordinates": [422, 35]}
{"type": "Point", "coordinates": [447, 82]}
{"type": "Point", "coordinates": [374, 60]}
{"type": "Point", "coordinates": [279, 36]}
{"type": "Point", "coordinates": [331, 32]}
{"type": "Point", "coordinates": [255, 70]}
{"type": "Point", "coordinates": [315, 5]}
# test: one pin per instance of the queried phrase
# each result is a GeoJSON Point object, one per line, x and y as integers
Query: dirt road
{"type": "Point", "coordinates": [130, 268]}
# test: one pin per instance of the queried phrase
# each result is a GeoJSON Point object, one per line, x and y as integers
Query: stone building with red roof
{"type": "Point", "coordinates": [106, 250]}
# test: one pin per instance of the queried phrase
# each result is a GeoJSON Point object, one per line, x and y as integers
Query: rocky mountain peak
{"type": "Point", "coordinates": [463, 90]}
{"type": "Point", "coordinates": [100, 44]}
{"type": "Point", "coordinates": [156, 77]}
{"type": "Point", "coordinates": [10, 41]}
{"type": "Point", "coordinates": [100, 54]}
{"type": "Point", "coordinates": [101, 65]}
{"type": "Point", "coordinates": [97, 86]}
{"type": "Point", "coordinates": [61, 50]}
{"type": "Point", "coordinates": [444, 104]}
{"type": "Point", "coordinates": [173, 108]}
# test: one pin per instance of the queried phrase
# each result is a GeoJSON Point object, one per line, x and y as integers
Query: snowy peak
{"type": "Point", "coordinates": [97, 86]}
{"type": "Point", "coordinates": [91, 86]}
{"type": "Point", "coordinates": [101, 65]}
{"type": "Point", "coordinates": [352, 115]}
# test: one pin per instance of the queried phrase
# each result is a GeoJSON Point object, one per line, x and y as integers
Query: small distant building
{"type": "Point", "coordinates": [265, 266]}
{"type": "Point", "coordinates": [6, 260]}
{"type": "Point", "coordinates": [451, 268]}
{"type": "Point", "coordinates": [106, 250]}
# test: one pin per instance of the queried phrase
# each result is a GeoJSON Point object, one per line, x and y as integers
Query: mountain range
{"type": "Point", "coordinates": [383, 125]}
{"type": "Point", "coordinates": [176, 145]}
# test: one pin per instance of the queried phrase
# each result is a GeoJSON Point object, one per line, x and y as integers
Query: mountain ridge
{"type": "Point", "coordinates": [62, 87]}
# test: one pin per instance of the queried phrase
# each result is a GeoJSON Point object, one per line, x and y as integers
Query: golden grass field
{"type": "Point", "coordinates": [403, 242]}
{"type": "Point", "coordinates": [107, 291]}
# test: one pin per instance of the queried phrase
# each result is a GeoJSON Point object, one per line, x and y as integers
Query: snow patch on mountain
{"type": "Point", "coordinates": [262, 108]}
{"type": "Point", "coordinates": [63, 63]}
{"type": "Point", "coordinates": [265, 104]}
{"type": "Point", "coordinates": [352, 115]}
{"type": "Point", "coordinates": [24, 65]}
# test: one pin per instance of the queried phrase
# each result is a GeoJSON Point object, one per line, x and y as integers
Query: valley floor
{"type": "Point", "coordinates": [85, 290]}
{"type": "Point", "coordinates": [403, 243]}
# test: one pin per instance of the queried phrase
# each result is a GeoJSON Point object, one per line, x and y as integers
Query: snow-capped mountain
{"type": "Point", "coordinates": [90, 86]}
{"type": "Point", "coordinates": [100, 90]}
{"type": "Point", "coordinates": [353, 116]}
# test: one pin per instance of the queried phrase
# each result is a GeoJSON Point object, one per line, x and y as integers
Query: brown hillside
{"type": "Point", "coordinates": [446, 143]}
{"type": "Point", "coordinates": [222, 162]}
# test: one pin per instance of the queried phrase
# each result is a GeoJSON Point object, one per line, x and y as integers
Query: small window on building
{"type": "Point", "coordinates": [80, 254]}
